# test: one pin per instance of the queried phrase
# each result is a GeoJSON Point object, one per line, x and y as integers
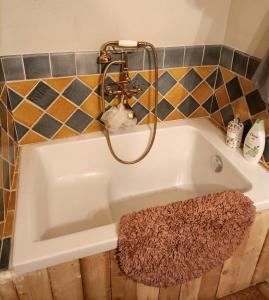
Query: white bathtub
{"type": "Point", "coordinates": [72, 192]}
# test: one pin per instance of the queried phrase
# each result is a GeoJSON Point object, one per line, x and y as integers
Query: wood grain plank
{"type": "Point", "coordinates": [34, 286]}
{"type": "Point", "coordinates": [209, 284]}
{"type": "Point", "coordinates": [66, 281]}
{"type": "Point", "coordinates": [8, 291]}
{"type": "Point", "coordinates": [190, 290]}
{"type": "Point", "coordinates": [238, 271]}
{"type": "Point", "coordinates": [95, 272]}
{"type": "Point", "coordinates": [122, 287]}
{"type": "Point", "coordinates": [145, 292]}
{"type": "Point", "coordinates": [262, 269]}
{"type": "Point", "coordinates": [171, 293]}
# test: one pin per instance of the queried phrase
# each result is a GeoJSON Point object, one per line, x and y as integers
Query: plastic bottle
{"type": "Point", "coordinates": [255, 142]}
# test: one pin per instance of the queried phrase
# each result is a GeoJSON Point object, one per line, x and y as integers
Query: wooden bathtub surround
{"type": "Point", "coordinates": [98, 277]}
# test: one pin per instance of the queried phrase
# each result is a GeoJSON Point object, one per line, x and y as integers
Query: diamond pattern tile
{"type": "Point", "coordinates": [227, 114]}
{"type": "Point", "coordinates": [211, 79]}
{"type": "Point", "coordinates": [13, 99]}
{"type": "Point", "coordinates": [234, 89]}
{"type": "Point", "coordinates": [188, 106]}
{"type": "Point", "coordinates": [214, 105]}
{"type": "Point", "coordinates": [142, 82]}
{"type": "Point", "coordinates": [47, 126]}
{"type": "Point", "coordinates": [255, 102]}
{"type": "Point", "coordinates": [42, 95]}
{"type": "Point", "coordinates": [20, 131]}
{"type": "Point", "coordinates": [77, 92]}
{"type": "Point", "coordinates": [140, 111]}
{"type": "Point", "coordinates": [164, 108]}
{"type": "Point", "coordinates": [79, 121]}
{"type": "Point", "coordinates": [176, 94]}
{"type": "Point", "coordinates": [166, 82]}
{"type": "Point", "coordinates": [108, 81]}
{"type": "Point", "coordinates": [207, 105]}
{"type": "Point", "coordinates": [219, 80]}
{"type": "Point", "coordinates": [191, 80]}
{"type": "Point", "coordinates": [202, 92]}
{"type": "Point", "coordinates": [61, 109]}
{"type": "Point", "coordinates": [27, 113]}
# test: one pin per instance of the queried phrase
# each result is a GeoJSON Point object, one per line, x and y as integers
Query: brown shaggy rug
{"type": "Point", "coordinates": [172, 244]}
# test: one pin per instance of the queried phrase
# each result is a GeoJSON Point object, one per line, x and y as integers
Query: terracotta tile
{"type": "Point", "coordinates": [32, 137]}
{"type": "Point", "coordinates": [4, 145]}
{"type": "Point", "coordinates": [247, 85]}
{"type": "Point", "coordinates": [149, 119]}
{"type": "Point", "coordinates": [91, 81]}
{"type": "Point", "coordinates": [148, 98]}
{"type": "Point", "coordinates": [199, 113]}
{"type": "Point", "coordinates": [1, 229]}
{"type": "Point", "coordinates": [27, 114]}
{"type": "Point", "coordinates": [202, 92]}
{"type": "Point", "coordinates": [263, 115]}
{"type": "Point", "coordinates": [93, 127]}
{"type": "Point", "coordinates": [15, 180]}
{"type": "Point", "coordinates": [12, 200]}
{"type": "Point", "coordinates": [240, 108]}
{"type": "Point", "coordinates": [176, 95]}
{"type": "Point", "coordinates": [222, 96]}
{"type": "Point", "coordinates": [205, 71]}
{"type": "Point", "coordinates": [226, 74]}
{"type": "Point", "coordinates": [217, 117]}
{"type": "Point", "coordinates": [65, 132]}
{"type": "Point", "coordinates": [61, 109]}
{"type": "Point", "coordinates": [59, 84]}
{"type": "Point", "coordinates": [175, 115]}
{"type": "Point", "coordinates": [92, 105]}
{"type": "Point", "coordinates": [1, 172]}
{"type": "Point", "coordinates": [22, 87]}
{"type": "Point", "coordinates": [178, 73]}
{"type": "Point", "coordinates": [8, 228]}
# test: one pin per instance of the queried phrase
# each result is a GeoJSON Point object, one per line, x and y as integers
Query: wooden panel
{"type": "Point", "coordinates": [238, 270]}
{"type": "Point", "coordinates": [145, 292]}
{"type": "Point", "coordinates": [122, 287]}
{"type": "Point", "coordinates": [34, 286]}
{"type": "Point", "coordinates": [95, 272]}
{"type": "Point", "coordinates": [209, 284]}
{"type": "Point", "coordinates": [66, 281]}
{"type": "Point", "coordinates": [190, 290]}
{"type": "Point", "coordinates": [262, 268]}
{"type": "Point", "coordinates": [170, 293]}
{"type": "Point", "coordinates": [8, 291]}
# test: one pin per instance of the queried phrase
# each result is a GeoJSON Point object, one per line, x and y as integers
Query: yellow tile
{"type": "Point", "coordinates": [226, 74]}
{"type": "Point", "coordinates": [12, 200]}
{"type": "Point", "coordinates": [148, 98]}
{"type": "Point", "coordinates": [176, 95]}
{"type": "Point", "coordinates": [175, 115]}
{"type": "Point", "coordinates": [178, 73]}
{"type": "Point", "coordinates": [59, 84]}
{"type": "Point", "coordinates": [247, 85]}
{"type": "Point", "coordinates": [15, 180]}
{"type": "Point", "coordinates": [222, 96]}
{"type": "Point", "coordinates": [32, 137]}
{"type": "Point", "coordinates": [8, 228]}
{"type": "Point", "coordinates": [61, 109]}
{"type": "Point", "coordinates": [64, 132]}
{"type": "Point", "coordinates": [4, 145]}
{"type": "Point", "coordinates": [26, 113]}
{"type": "Point", "coordinates": [263, 115]}
{"type": "Point", "coordinates": [92, 105]}
{"type": "Point", "coordinates": [4, 95]}
{"type": "Point", "coordinates": [199, 113]}
{"type": "Point", "coordinates": [91, 81]}
{"type": "Point", "coordinates": [205, 71]}
{"type": "Point", "coordinates": [149, 119]}
{"type": "Point", "coordinates": [22, 87]}
{"type": "Point", "coordinates": [240, 108]}
{"type": "Point", "coordinates": [217, 117]}
{"type": "Point", "coordinates": [93, 127]}
{"type": "Point", "coordinates": [150, 75]}
{"type": "Point", "coordinates": [202, 92]}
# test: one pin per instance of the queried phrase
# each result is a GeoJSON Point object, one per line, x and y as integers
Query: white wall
{"type": "Point", "coordinates": [36, 26]}
{"type": "Point", "coordinates": [248, 26]}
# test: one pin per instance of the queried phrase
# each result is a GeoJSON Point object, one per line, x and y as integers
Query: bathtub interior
{"type": "Point", "coordinates": [94, 190]}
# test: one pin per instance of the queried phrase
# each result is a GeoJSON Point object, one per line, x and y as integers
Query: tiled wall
{"type": "Point", "coordinates": [57, 95]}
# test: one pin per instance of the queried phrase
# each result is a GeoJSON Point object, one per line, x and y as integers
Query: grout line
{"type": "Point", "coordinates": [203, 56]}
{"type": "Point", "coordinates": [50, 66]}
{"type": "Point", "coordinates": [184, 53]}
{"type": "Point", "coordinates": [23, 67]}
{"type": "Point", "coordinates": [220, 55]}
{"type": "Point", "coordinates": [231, 66]}
{"type": "Point", "coordinates": [245, 75]}
{"type": "Point", "coordinates": [164, 55]}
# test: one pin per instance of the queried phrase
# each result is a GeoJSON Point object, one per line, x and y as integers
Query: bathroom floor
{"type": "Point", "coordinates": [251, 293]}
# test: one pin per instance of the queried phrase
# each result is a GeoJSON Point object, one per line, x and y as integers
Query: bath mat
{"type": "Point", "coordinates": [251, 293]}
{"type": "Point", "coordinates": [172, 244]}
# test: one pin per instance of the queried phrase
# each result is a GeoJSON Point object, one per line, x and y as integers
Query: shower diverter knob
{"type": "Point", "coordinates": [127, 43]}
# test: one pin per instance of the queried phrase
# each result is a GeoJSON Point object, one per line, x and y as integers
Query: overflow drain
{"type": "Point", "coordinates": [216, 163]}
